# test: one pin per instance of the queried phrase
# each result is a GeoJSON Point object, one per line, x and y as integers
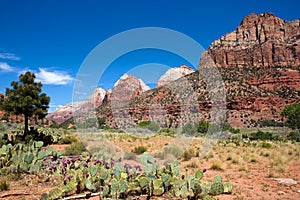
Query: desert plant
{"type": "Point", "coordinates": [4, 184]}
{"type": "Point", "coordinates": [188, 154]}
{"type": "Point", "coordinates": [75, 149]}
{"type": "Point", "coordinates": [139, 150]}
{"type": "Point", "coordinates": [68, 139]}
{"type": "Point", "coordinates": [294, 135]}
{"type": "Point", "coordinates": [150, 125]}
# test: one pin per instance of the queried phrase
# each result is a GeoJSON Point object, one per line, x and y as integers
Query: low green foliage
{"type": "Point", "coordinates": [74, 149]}
{"type": "Point", "coordinates": [292, 113]}
{"type": "Point", "coordinates": [294, 136]}
{"type": "Point", "coordinates": [68, 139]}
{"type": "Point", "coordinates": [260, 135]}
{"type": "Point", "coordinates": [150, 125]}
{"type": "Point", "coordinates": [139, 150]}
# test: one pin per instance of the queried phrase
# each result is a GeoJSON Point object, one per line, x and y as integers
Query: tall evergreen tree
{"type": "Point", "coordinates": [25, 98]}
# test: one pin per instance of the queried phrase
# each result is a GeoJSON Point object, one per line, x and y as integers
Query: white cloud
{"type": "Point", "coordinates": [5, 67]}
{"type": "Point", "coordinates": [49, 77]}
{"type": "Point", "coordinates": [9, 56]}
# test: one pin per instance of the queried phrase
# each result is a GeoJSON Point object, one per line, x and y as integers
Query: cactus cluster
{"type": "Point", "coordinates": [22, 158]}
{"type": "Point", "coordinates": [114, 179]}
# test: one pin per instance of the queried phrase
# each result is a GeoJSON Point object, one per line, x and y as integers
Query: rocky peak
{"type": "Point", "coordinates": [126, 88]}
{"type": "Point", "coordinates": [260, 40]}
{"type": "Point", "coordinates": [131, 81]}
{"type": "Point", "coordinates": [66, 111]}
{"type": "Point", "coordinates": [173, 74]}
{"type": "Point", "coordinates": [97, 97]}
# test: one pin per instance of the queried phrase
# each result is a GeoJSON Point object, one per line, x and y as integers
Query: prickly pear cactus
{"type": "Point", "coordinates": [158, 188]}
{"type": "Point", "coordinates": [55, 193]}
{"type": "Point", "coordinates": [216, 188]}
{"type": "Point", "coordinates": [228, 187]}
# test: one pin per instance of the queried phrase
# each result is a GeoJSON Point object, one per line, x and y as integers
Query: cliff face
{"type": "Point", "coordinates": [260, 40]}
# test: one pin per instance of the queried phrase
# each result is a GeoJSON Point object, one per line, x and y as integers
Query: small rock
{"type": "Point", "coordinates": [286, 181]}
{"type": "Point", "coordinates": [280, 193]}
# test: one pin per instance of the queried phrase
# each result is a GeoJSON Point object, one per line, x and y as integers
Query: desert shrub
{"type": "Point", "coordinates": [202, 127]}
{"type": "Point", "coordinates": [169, 150]}
{"type": "Point", "coordinates": [188, 154]}
{"type": "Point", "coordinates": [294, 135]}
{"type": "Point", "coordinates": [129, 156]}
{"type": "Point", "coordinates": [189, 129]}
{"type": "Point", "coordinates": [167, 132]}
{"type": "Point", "coordinates": [150, 125]}
{"type": "Point", "coordinates": [266, 145]}
{"type": "Point", "coordinates": [270, 123]}
{"type": "Point", "coordinates": [4, 184]}
{"type": "Point", "coordinates": [216, 165]}
{"type": "Point", "coordinates": [192, 164]}
{"type": "Point", "coordinates": [139, 150]}
{"type": "Point", "coordinates": [101, 122]}
{"type": "Point", "coordinates": [74, 149]}
{"type": "Point", "coordinates": [68, 139]}
{"type": "Point", "coordinates": [260, 135]}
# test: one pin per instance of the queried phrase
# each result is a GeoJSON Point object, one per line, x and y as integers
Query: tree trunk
{"type": "Point", "coordinates": [26, 125]}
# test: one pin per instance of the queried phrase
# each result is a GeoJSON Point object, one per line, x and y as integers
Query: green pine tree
{"type": "Point", "coordinates": [25, 98]}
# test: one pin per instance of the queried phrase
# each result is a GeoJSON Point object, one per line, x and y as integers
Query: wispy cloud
{"type": "Point", "coordinates": [46, 76]}
{"type": "Point", "coordinates": [5, 67]}
{"type": "Point", "coordinates": [9, 56]}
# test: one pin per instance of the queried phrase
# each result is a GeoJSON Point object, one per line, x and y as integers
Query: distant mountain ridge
{"type": "Point", "coordinates": [260, 66]}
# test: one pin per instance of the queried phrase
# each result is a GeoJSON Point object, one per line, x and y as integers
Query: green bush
{"type": "Point", "coordinates": [139, 150]}
{"type": "Point", "coordinates": [101, 122]}
{"type": "Point", "coordinates": [68, 139]}
{"type": "Point", "coordinates": [294, 135]}
{"type": "Point", "coordinates": [167, 132]}
{"type": "Point", "coordinates": [150, 125]}
{"type": "Point", "coordinates": [202, 127]}
{"type": "Point", "coordinates": [189, 129]}
{"type": "Point", "coordinates": [260, 135]}
{"type": "Point", "coordinates": [266, 145]}
{"type": "Point", "coordinates": [74, 149]}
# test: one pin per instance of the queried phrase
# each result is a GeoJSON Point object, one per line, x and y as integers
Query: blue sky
{"type": "Point", "coordinates": [53, 37]}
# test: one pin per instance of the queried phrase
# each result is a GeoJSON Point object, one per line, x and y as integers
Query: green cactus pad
{"type": "Point", "coordinates": [158, 188]}
{"type": "Point", "coordinates": [228, 187]}
{"type": "Point", "coordinates": [216, 188]}
{"type": "Point", "coordinates": [55, 193]}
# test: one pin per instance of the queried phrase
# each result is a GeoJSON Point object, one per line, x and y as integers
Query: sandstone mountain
{"type": "Point", "coordinates": [126, 88]}
{"type": "Point", "coordinates": [173, 74]}
{"type": "Point", "coordinates": [260, 40]}
{"type": "Point", "coordinates": [260, 66]}
{"type": "Point", "coordinates": [66, 111]}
